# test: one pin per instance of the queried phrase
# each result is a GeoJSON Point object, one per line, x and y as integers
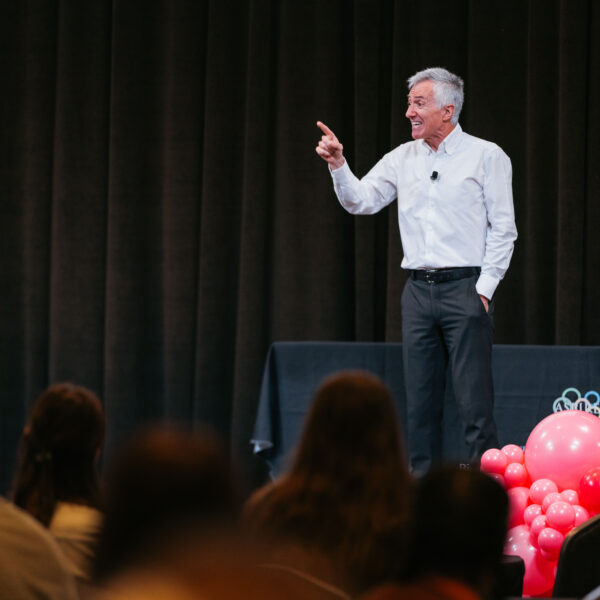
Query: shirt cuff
{"type": "Point", "coordinates": [339, 170]}
{"type": "Point", "coordinates": [486, 285]}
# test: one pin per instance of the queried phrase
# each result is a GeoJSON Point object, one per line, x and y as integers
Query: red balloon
{"type": "Point", "coordinates": [561, 516]}
{"type": "Point", "coordinates": [539, 573]}
{"type": "Point", "coordinates": [563, 447]}
{"type": "Point", "coordinates": [570, 496]}
{"type": "Point", "coordinates": [581, 515]}
{"type": "Point", "coordinates": [531, 512]}
{"type": "Point", "coordinates": [493, 461]}
{"type": "Point", "coordinates": [540, 489]}
{"type": "Point", "coordinates": [589, 490]}
{"type": "Point", "coordinates": [518, 498]}
{"type": "Point", "coordinates": [550, 499]}
{"type": "Point", "coordinates": [550, 557]}
{"type": "Point", "coordinates": [514, 453]}
{"type": "Point", "coordinates": [550, 540]}
{"type": "Point", "coordinates": [516, 475]}
{"type": "Point", "coordinates": [540, 522]}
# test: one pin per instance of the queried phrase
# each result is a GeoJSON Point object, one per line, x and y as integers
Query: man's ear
{"type": "Point", "coordinates": [448, 112]}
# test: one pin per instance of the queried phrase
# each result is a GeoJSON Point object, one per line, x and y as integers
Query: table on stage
{"type": "Point", "coordinates": [527, 382]}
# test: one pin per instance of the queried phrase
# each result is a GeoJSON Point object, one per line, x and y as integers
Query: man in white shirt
{"type": "Point", "coordinates": [456, 220]}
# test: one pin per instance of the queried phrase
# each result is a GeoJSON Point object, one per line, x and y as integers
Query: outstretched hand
{"type": "Point", "coordinates": [329, 147]}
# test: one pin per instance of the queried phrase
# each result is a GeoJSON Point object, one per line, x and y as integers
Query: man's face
{"type": "Point", "coordinates": [427, 121]}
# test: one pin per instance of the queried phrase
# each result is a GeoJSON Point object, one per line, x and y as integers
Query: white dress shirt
{"type": "Point", "coordinates": [463, 217]}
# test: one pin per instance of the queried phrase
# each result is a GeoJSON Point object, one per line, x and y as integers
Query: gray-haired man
{"type": "Point", "coordinates": [456, 219]}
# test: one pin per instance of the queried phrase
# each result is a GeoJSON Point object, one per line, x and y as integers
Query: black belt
{"type": "Point", "coordinates": [442, 275]}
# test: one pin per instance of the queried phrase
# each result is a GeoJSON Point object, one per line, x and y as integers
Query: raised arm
{"type": "Point", "coordinates": [329, 147]}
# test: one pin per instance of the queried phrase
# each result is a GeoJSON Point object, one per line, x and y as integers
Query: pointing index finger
{"type": "Point", "coordinates": [325, 129]}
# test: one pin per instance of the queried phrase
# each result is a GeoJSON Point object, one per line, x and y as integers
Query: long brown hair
{"type": "Point", "coordinates": [347, 492]}
{"type": "Point", "coordinates": [59, 450]}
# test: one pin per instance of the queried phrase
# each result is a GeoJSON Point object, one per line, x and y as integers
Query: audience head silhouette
{"type": "Point", "coordinates": [351, 429]}
{"type": "Point", "coordinates": [164, 484]}
{"type": "Point", "coordinates": [460, 524]}
{"type": "Point", "coordinates": [346, 494]}
{"type": "Point", "coordinates": [59, 450]}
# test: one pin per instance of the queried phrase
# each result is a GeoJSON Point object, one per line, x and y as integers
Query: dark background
{"type": "Point", "coordinates": [164, 216]}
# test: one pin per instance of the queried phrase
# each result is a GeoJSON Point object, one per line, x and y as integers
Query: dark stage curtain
{"type": "Point", "coordinates": [164, 216]}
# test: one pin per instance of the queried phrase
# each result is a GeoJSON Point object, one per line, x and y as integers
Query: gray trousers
{"type": "Point", "coordinates": [446, 325]}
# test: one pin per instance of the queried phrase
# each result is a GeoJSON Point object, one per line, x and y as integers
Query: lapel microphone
{"type": "Point", "coordinates": [434, 176]}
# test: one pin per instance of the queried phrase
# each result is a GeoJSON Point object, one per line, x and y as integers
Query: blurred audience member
{"type": "Point", "coordinates": [172, 526]}
{"type": "Point", "coordinates": [32, 566]}
{"type": "Point", "coordinates": [166, 489]}
{"type": "Point", "coordinates": [57, 478]}
{"type": "Point", "coordinates": [339, 517]}
{"type": "Point", "coordinates": [458, 533]}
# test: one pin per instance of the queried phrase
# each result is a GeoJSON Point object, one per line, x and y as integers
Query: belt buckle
{"type": "Point", "coordinates": [428, 276]}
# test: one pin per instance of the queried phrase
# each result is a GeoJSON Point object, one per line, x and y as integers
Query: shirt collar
{"type": "Point", "coordinates": [449, 144]}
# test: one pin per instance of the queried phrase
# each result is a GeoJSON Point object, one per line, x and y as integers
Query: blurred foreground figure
{"type": "Point", "coordinates": [172, 525]}
{"type": "Point", "coordinates": [339, 516]}
{"type": "Point", "coordinates": [164, 486]}
{"type": "Point", "coordinates": [459, 528]}
{"type": "Point", "coordinates": [32, 566]}
{"type": "Point", "coordinates": [57, 479]}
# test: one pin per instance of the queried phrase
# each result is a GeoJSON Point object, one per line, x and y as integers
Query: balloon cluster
{"type": "Point", "coordinates": [553, 486]}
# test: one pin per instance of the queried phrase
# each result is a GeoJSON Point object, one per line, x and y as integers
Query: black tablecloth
{"type": "Point", "coordinates": [527, 381]}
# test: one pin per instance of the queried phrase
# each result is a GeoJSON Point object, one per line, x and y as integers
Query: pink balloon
{"type": "Point", "coordinates": [516, 539]}
{"type": "Point", "coordinates": [561, 516]}
{"type": "Point", "coordinates": [550, 540]}
{"type": "Point", "coordinates": [531, 512]}
{"type": "Point", "coordinates": [518, 498]}
{"type": "Point", "coordinates": [550, 499]}
{"type": "Point", "coordinates": [540, 489]}
{"type": "Point", "coordinates": [549, 557]}
{"type": "Point", "coordinates": [539, 573]}
{"type": "Point", "coordinates": [493, 461]}
{"type": "Point", "coordinates": [514, 453]}
{"type": "Point", "coordinates": [581, 515]}
{"type": "Point", "coordinates": [589, 489]}
{"type": "Point", "coordinates": [540, 522]}
{"type": "Point", "coordinates": [570, 496]}
{"type": "Point", "coordinates": [516, 475]}
{"type": "Point", "coordinates": [563, 447]}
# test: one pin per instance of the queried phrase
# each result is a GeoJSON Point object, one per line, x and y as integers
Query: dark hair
{"type": "Point", "coordinates": [347, 493]}
{"type": "Point", "coordinates": [163, 482]}
{"type": "Point", "coordinates": [460, 524]}
{"type": "Point", "coordinates": [59, 450]}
